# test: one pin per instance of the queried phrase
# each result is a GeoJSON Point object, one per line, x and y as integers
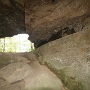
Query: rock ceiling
{"type": "Point", "coordinates": [43, 20]}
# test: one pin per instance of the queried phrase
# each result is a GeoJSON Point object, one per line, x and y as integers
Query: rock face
{"type": "Point", "coordinates": [43, 20]}
{"type": "Point", "coordinates": [47, 21]}
{"type": "Point", "coordinates": [22, 71]}
{"type": "Point", "coordinates": [69, 58]}
{"type": "Point", "coordinates": [12, 17]}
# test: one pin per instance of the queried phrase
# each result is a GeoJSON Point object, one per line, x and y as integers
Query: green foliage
{"type": "Point", "coordinates": [15, 44]}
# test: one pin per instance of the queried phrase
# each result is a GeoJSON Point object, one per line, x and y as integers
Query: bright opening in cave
{"type": "Point", "coordinates": [17, 43]}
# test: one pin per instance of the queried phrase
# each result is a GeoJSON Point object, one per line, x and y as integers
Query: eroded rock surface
{"type": "Point", "coordinates": [4, 85]}
{"type": "Point", "coordinates": [22, 71]}
{"type": "Point", "coordinates": [42, 79]}
{"type": "Point", "coordinates": [43, 20]}
{"type": "Point", "coordinates": [47, 21]}
{"type": "Point", "coordinates": [12, 17]}
{"type": "Point", "coordinates": [15, 72]}
{"type": "Point", "coordinates": [69, 58]}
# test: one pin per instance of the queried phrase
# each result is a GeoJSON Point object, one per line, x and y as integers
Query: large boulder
{"type": "Point", "coordinates": [69, 58]}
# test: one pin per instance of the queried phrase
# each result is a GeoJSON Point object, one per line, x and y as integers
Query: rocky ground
{"type": "Point", "coordinates": [22, 71]}
{"type": "Point", "coordinates": [68, 58]}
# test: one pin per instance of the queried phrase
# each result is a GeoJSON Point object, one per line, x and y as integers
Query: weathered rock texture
{"type": "Point", "coordinates": [12, 17]}
{"type": "Point", "coordinates": [15, 72]}
{"type": "Point", "coordinates": [47, 21]}
{"type": "Point", "coordinates": [22, 71]}
{"type": "Point", "coordinates": [4, 85]}
{"type": "Point", "coordinates": [69, 58]}
{"type": "Point", "coordinates": [43, 20]}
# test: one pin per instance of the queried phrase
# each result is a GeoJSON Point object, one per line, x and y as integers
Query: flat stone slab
{"type": "Point", "coordinates": [15, 71]}
{"type": "Point", "coordinates": [4, 85]}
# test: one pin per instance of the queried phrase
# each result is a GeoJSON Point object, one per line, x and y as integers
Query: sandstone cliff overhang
{"type": "Point", "coordinates": [43, 20]}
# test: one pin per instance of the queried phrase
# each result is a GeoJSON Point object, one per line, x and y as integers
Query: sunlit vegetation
{"type": "Point", "coordinates": [17, 43]}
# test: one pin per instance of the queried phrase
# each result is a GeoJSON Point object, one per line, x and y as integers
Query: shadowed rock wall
{"type": "Point", "coordinates": [12, 17]}
{"type": "Point", "coordinates": [43, 20]}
